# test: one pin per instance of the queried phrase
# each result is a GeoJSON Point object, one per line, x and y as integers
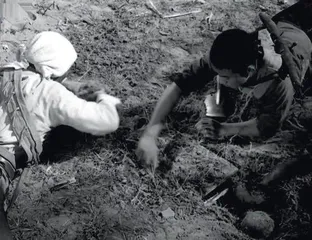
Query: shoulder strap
{"type": "Point", "coordinates": [6, 161]}
{"type": "Point", "coordinates": [289, 64]}
{"type": "Point", "coordinates": [22, 125]}
{"type": "Point", "coordinates": [19, 115]}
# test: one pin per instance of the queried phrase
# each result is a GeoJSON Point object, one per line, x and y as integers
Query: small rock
{"type": "Point", "coordinates": [282, 1]}
{"type": "Point", "coordinates": [263, 8]}
{"type": "Point", "coordinates": [49, 170]}
{"type": "Point", "coordinates": [38, 185]}
{"type": "Point", "coordinates": [5, 47]}
{"type": "Point", "coordinates": [168, 213]}
{"type": "Point", "coordinates": [115, 236]}
{"type": "Point", "coordinates": [51, 182]}
{"type": "Point", "coordinates": [142, 172]}
{"type": "Point", "coordinates": [287, 2]}
{"type": "Point", "coordinates": [258, 224]}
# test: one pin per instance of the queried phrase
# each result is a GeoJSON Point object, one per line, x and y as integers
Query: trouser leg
{"type": "Point", "coordinates": [301, 165]}
{"type": "Point", "coordinates": [5, 232]}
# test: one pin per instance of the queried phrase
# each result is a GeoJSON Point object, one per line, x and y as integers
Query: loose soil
{"type": "Point", "coordinates": [130, 50]}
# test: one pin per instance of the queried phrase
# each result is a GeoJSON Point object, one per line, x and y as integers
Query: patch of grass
{"type": "Point", "coordinates": [132, 56]}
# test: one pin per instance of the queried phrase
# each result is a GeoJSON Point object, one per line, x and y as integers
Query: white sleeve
{"type": "Point", "coordinates": [97, 118]}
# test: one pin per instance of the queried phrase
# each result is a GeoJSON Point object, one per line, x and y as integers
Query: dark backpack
{"type": "Point", "coordinates": [22, 124]}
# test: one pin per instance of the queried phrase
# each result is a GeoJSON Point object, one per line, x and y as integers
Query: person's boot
{"type": "Point", "coordinates": [300, 165]}
{"type": "Point", "coordinates": [5, 232]}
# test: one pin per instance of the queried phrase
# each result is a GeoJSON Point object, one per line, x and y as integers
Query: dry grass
{"type": "Point", "coordinates": [131, 52]}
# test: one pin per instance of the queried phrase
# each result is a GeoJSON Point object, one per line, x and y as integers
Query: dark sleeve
{"type": "Point", "coordinates": [274, 107]}
{"type": "Point", "coordinates": [195, 77]}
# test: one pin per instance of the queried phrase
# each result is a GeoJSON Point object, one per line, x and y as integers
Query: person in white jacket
{"type": "Point", "coordinates": [45, 62]}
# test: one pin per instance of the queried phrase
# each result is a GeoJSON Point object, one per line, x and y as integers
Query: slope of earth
{"type": "Point", "coordinates": [131, 50]}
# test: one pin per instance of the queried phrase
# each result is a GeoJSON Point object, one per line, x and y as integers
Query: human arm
{"type": "Point", "coordinates": [193, 78]}
{"type": "Point", "coordinates": [147, 149]}
{"type": "Point", "coordinates": [273, 109]}
{"type": "Point", "coordinates": [163, 107]}
{"type": "Point", "coordinates": [215, 129]}
{"type": "Point", "coordinates": [246, 128]}
{"type": "Point", "coordinates": [97, 118]}
{"type": "Point", "coordinates": [82, 90]}
{"type": "Point", "coordinates": [72, 86]}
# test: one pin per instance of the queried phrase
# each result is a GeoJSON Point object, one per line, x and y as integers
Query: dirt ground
{"type": "Point", "coordinates": [131, 50]}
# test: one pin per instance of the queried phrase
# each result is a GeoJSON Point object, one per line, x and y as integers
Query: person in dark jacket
{"type": "Point", "coordinates": [239, 61]}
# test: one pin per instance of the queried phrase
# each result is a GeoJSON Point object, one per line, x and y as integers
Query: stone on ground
{"type": "Point", "coordinates": [258, 224]}
{"type": "Point", "coordinates": [168, 213]}
{"type": "Point", "coordinates": [198, 165]}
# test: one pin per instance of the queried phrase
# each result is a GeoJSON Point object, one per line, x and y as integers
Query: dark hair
{"type": "Point", "coordinates": [235, 50]}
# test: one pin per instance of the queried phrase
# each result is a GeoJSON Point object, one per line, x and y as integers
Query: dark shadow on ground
{"type": "Point", "coordinates": [63, 142]}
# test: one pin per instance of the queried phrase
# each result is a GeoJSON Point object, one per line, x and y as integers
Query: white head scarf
{"type": "Point", "coordinates": [51, 54]}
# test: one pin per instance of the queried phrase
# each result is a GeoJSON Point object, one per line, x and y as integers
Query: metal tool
{"type": "Point", "coordinates": [218, 94]}
{"type": "Point", "coordinates": [213, 104]}
{"type": "Point", "coordinates": [212, 109]}
{"type": "Point", "coordinates": [219, 191]}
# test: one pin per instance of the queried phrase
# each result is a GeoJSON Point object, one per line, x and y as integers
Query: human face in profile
{"type": "Point", "coordinates": [230, 79]}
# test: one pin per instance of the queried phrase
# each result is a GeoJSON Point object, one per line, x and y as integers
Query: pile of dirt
{"type": "Point", "coordinates": [197, 165]}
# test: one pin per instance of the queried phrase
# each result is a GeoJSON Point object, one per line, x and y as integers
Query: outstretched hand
{"type": "Point", "coordinates": [147, 152]}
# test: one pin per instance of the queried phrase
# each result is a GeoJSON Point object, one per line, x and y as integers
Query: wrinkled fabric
{"type": "Point", "coordinates": [51, 54]}
{"type": "Point", "coordinates": [4, 181]}
{"type": "Point", "coordinates": [275, 97]}
{"type": "Point", "coordinates": [196, 77]}
{"type": "Point", "coordinates": [50, 105]}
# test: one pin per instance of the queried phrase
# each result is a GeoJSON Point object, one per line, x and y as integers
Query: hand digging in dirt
{"type": "Point", "coordinates": [240, 62]}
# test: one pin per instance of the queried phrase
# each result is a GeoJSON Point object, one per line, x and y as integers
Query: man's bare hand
{"type": "Point", "coordinates": [86, 91]}
{"type": "Point", "coordinates": [89, 91]}
{"type": "Point", "coordinates": [209, 127]}
{"type": "Point", "coordinates": [72, 86]}
{"type": "Point", "coordinates": [147, 152]}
